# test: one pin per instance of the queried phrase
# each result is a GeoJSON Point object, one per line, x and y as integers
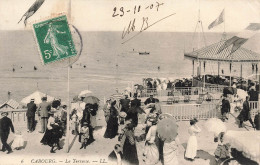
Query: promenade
{"type": "Point", "coordinates": [97, 152]}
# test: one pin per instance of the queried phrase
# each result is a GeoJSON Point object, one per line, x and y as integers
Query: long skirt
{"type": "Point", "coordinates": [191, 150]}
{"type": "Point", "coordinates": [151, 154]}
{"type": "Point", "coordinates": [170, 153]}
{"type": "Point", "coordinates": [130, 153]}
{"type": "Point", "coordinates": [112, 128]}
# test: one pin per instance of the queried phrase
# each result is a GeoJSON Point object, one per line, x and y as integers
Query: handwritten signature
{"type": "Point", "coordinates": [145, 25]}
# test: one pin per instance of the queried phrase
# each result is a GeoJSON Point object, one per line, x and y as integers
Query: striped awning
{"type": "Point", "coordinates": [210, 53]}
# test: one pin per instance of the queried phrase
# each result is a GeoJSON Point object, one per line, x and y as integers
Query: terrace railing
{"type": "Point", "coordinates": [254, 106]}
{"type": "Point", "coordinates": [189, 111]}
{"type": "Point", "coordinates": [182, 91]}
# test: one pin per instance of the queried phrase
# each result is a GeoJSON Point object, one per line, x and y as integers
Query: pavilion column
{"type": "Point", "coordinates": [253, 68]}
{"type": "Point", "coordinates": [241, 71]}
{"type": "Point", "coordinates": [218, 67]}
{"type": "Point", "coordinates": [230, 68]}
{"type": "Point", "coordinates": [256, 70]}
{"type": "Point", "coordinates": [200, 68]}
{"type": "Point", "coordinates": [192, 68]}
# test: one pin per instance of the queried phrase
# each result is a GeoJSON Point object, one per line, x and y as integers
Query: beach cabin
{"type": "Point", "coordinates": [12, 107]}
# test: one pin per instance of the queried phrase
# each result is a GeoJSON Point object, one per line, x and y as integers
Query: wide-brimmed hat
{"type": "Point", "coordinates": [51, 112]}
{"type": "Point", "coordinates": [44, 98]}
{"type": "Point", "coordinates": [122, 114]}
{"type": "Point", "coordinates": [32, 99]}
{"type": "Point", "coordinates": [153, 120]}
{"type": "Point", "coordinates": [85, 124]}
{"type": "Point", "coordinates": [4, 113]}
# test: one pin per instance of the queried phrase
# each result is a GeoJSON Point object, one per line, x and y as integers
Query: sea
{"type": "Point", "coordinates": [105, 64]}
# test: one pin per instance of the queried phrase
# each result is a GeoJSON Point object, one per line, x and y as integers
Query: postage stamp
{"type": "Point", "coordinates": [54, 39]}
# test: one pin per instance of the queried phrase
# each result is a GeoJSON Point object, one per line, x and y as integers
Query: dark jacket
{"type": "Point", "coordinates": [125, 104]}
{"type": "Point", "coordinates": [5, 125]}
{"type": "Point", "coordinates": [136, 102]}
{"type": "Point", "coordinates": [112, 156]}
{"type": "Point", "coordinates": [149, 100]}
{"type": "Point", "coordinates": [31, 109]}
{"type": "Point", "coordinates": [85, 117]}
{"type": "Point", "coordinates": [225, 106]}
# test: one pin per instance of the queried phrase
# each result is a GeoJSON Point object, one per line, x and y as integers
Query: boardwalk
{"type": "Point", "coordinates": [100, 149]}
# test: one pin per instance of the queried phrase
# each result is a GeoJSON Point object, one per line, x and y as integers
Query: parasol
{"type": "Point", "coordinates": [91, 100]}
{"type": "Point", "coordinates": [215, 125]}
{"type": "Point", "coordinates": [84, 93]}
{"type": "Point", "coordinates": [150, 105]}
{"type": "Point", "coordinates": [242, 94]}
{"type": "Point", "coordinates": [167, 129]}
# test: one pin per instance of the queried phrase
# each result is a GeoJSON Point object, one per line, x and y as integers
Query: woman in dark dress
{"type": "Point", "coordinates": [129, 146]}
{"type": "Point", "coordinates": [53, 133]}
{"type": "Point", "coordinates": [112, 124]}
{"type": "Point", "coordinates": [245, 114]}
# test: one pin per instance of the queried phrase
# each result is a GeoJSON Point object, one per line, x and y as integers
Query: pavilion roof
{"type": "Point", "coordinates": [210, 53]}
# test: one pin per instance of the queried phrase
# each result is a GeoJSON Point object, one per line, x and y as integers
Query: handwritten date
{"type": "Point", "coordinates": [121, 12]}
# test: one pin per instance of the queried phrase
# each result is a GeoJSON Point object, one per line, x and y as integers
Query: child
{"type": "Point", "coordinates": [74, 124]}
{"type": "Point", "coordinates": [122, 116]}
{"type": "Point", "coordinates": [222, 151]}
{"type": "Point", "coordinates": [18, 141]}
{"type": "Point", "coordinates": [84, 135]}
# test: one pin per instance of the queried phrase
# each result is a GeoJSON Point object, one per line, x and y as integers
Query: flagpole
{"type": "Point", "coordinates": [68, 113]}
{"type": "Point", "coordinates": [69, 106]}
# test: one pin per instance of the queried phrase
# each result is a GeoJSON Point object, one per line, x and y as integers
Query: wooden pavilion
{"type": "Point", "coordinates": [211, 53]}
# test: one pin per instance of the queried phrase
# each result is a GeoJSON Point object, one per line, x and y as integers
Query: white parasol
{"type": "Point", "coordinates": [242, 94]}
{"type": "Point", "coordinates": [84, 93]}
{"type": "Point", "coordinates": [215, 125]}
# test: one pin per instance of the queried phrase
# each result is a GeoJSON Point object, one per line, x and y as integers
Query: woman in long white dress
{"type": "Point", "coordinates": [191, 150]}
{"type": "Point", "coordinates": [151, 152]}
{"type": "Point", "coordinates": [170, 152]}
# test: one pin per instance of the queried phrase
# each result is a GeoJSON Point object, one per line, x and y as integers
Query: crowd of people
{"type": "Point", "coordinates": [121, 116]}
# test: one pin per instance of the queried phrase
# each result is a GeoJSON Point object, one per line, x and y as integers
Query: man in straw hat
{"type": "Point", "coordinates": [31, 109]}
{"type": "Point", "coordinates": [149, 100]}
{"type": "Point", "coordinates": [43, 110]}
{"type": "Point", "coordinates": [5, 126]}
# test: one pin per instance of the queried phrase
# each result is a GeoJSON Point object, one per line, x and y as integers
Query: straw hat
{"type": "Point", "coordinates": [51, 112]}
{"type": "Point", "coordinates": [122, 114]}
{"type": "Point", "coordinates": [4, 113]}
{"type": "Point", "coordinates": [85, 124]}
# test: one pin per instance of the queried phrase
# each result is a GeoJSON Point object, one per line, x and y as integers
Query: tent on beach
{"type": "Point", "coordinates": [37, 96]}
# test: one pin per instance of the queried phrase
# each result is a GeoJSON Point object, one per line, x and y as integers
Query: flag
{"type": "Point", "coordinates": [241, 38]}
{"type": "Point", "coordinates": [37, 4]}
{"type": "Point", "coordinates": [218, 21]}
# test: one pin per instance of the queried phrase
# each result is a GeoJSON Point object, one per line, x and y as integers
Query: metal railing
{"type": "Point", "coordinates": [182, 91]}
{"type": "Point", "coordinates": [189, 111]}
{"type": "Point", "coordinates": [254, 107]}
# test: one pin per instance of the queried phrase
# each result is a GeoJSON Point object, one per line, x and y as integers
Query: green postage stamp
{"type": "Point", "coordinates": [54, 39]}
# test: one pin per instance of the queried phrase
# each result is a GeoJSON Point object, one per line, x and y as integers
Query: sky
{"type": "Point", "coordinates": [96, 15]}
